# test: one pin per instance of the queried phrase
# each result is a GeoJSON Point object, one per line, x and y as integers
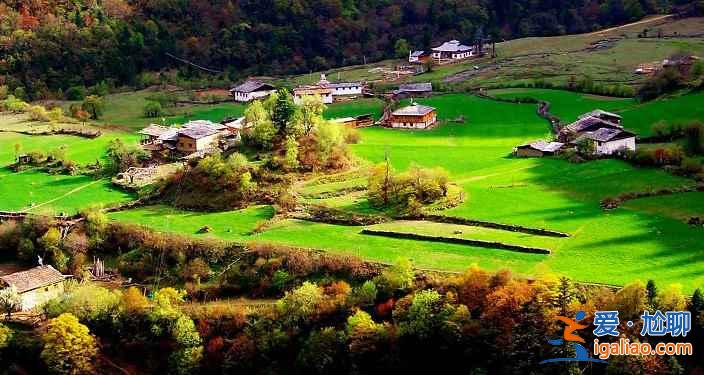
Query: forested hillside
{"type": "Point", "coordinates": [48, 46]}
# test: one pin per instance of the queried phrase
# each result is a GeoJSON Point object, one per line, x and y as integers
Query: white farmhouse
{"type": "Point", "coordinates": [36, 286]}
{"type": "Point", "coordinates": [251, 90]}
{"type": "Point", "coordinates": [610, 141]}
{"type": "Point", "coordinates": [452, 50]}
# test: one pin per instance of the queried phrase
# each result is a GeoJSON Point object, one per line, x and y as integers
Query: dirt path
{"type": "Point", "coordinates": [641, 22]}
{"type": "Point", "coordinates": [62, 196]}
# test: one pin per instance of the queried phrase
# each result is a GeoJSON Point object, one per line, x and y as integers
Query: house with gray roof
{"type": "Point", "coordinates": [414, 116]}
{"type": "Point", "coordinates": [414, 90]}
{"type": "Point", "coordinates": [251, 89]}
{"type": "Point", "coordinates": [36, 286]}
{"type": "Point", "coordinates": [607, 141]}
{"type": "Point", "coordinates": [452, 51]}
{"type": "Point", "coordinates": [538, 149]}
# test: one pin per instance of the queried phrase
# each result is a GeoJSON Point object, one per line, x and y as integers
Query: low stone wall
{"type": "Point", "coordinates": [457, 241]}
{"type": "Point", "coordinates": [488, 224]}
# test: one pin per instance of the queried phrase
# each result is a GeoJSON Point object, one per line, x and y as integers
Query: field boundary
{"type": "Point", "coordinates": [456, 241]}
{"type": "Point", "coordinates": [487, 224]}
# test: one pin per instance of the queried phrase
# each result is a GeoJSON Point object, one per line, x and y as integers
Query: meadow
{"type": "Point", "coordinates": [613, 247]}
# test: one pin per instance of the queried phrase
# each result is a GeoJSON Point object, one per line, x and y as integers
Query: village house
{"type": "Point", "coordinates": [199, 136]}
{"type": "Point", "coordinates": [251, 90]}
{"type": "Point", "coordinates": [414, 90]}
{"type": "Point", "coordinates": [609, 141]}
{"type": "Point", "coordinates": [36, 286]}
{"type": "Point", "coordinates": [328, 91]}
{"type": "Point", "coordinates": [418, 57]}
{"type": "Point", "coordinates": [538, 149]}
{"type": "Point", "coordinates": [415, 116]}
{"type": "Point", "coordinates": [355, 122]}
{"type": "Point", "coordinates": [324, 93]}
{"type": "Point", "coordinates": [589, 122]}
{"type": "Point", "coordinates": [452, 51]}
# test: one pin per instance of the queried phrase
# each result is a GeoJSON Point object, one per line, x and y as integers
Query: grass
{"type": "Point", "coordinates": [640, 117]}
{"type": "Point", "coordinates": [43, 193]}
{"type": "Point", "coordinates": [612, 247]}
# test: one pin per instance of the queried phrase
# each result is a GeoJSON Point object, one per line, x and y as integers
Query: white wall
{"type": "Point", "coordinates": [354, 90]}
{"type": "Point", "coordinates": [608, 148]}
{"type": "Point", "coordinates": [326, 99]}
{"type": "Point", "coordinates": [249, 96]}
{"type": "Point", "coordinates": [37, 297]}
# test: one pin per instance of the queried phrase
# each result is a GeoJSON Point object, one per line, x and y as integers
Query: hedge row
{"type": "Point", "coordinates": [488, 224]}
{"type": "Point", "coordinates": [458, 241]}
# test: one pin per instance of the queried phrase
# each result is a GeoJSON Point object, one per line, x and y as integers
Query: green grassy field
{"type": "Point", "coordinates": [614, 247]}
{"type": "Point", "coordinates": [639, 117]}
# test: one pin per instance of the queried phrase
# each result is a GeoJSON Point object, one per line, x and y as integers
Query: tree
{"type": "Point", "coordinates": [651, 291]}
{"type": "Point", "coordinates": [69, 347]}
{"type": "Point", "coordinates": [401, 48]}
{"type": "Point", "coordinates": [94, 105]}
{"type": "Point", "coordinates": [152, 109]}
{"type": "Point", "coordinates": [283, 111]}
{"type": "Point", "coordinates": [291, 156]}
{"type": "Point", "coordinates": [322, 351]}
{"type": "Point", "coordinates": [311, 109]}
{"type": "Point", "coordinates": [300, 303]}
{"type": "Point", "coordinates": [10, 300]}
{"type": "Point", "coordinates": [399, 276]}
{"type": "Point", "coordinates": [264, 130]}
{"type": "Point", "coordinates": [5, 336]}
{"type": "Point", "coordinates": [671, 299]}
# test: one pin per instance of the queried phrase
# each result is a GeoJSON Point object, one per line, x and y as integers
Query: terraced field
{"type": "Point", "coordinates": [616, 247]}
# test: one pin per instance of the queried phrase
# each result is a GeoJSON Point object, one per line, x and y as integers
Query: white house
{"type": "Point", "coordinates": [452, 50]}
{"type": "Point", "coordinates": [36, 286]}
{"type": "Point", "coordinates": [609, 141]}
{"type": "Point", "coordinates": [418, 57]}
{"type": "Point", "coordinates": [251, 90]}
{"type": "Point", "coordinates": [324, 93]}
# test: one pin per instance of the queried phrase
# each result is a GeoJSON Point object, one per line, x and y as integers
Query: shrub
{"type": "Point", "coordinates": [38, 113]}
{"type": "Point", "coordinates": [75, 93]}
{"type": "Point", "coordinates": [666, 81]}
{"type": "Point", "coordinates": [13, 104]}
{"type": "Point", "coordinates": [152, 109]}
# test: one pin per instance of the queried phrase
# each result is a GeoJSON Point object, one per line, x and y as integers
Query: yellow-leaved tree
{"type": "Point", "coordinates": [69, 348]}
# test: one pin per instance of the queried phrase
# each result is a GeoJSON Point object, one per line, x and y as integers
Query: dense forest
{"type": "Point", "coordinates": [50, 45]}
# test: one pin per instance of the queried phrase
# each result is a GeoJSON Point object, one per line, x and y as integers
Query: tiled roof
{"type": "Point", "coordinates": [543, 146]}
{"type": "Point", "coordinates": [605, 134]}
{"type": "Point", "coordinates": [587, 122]}
{"type": "Point", "coordinates": [452, 46]}
{"type": "Point", "coordinates": [413, 110]}
{"type": "Point", "coordinates": [197, 132]}
{"type": "Point", "coordinates": [34, 278]}
{"type": "Point", "coordinates": [417, 53]}
{"type": "Point", "coordinates": [252, 85]}
{"type": "Point", "coordinates": [599, 113]}
{"type": "Point", "coordinates": [344, 84]}
{"type": "Point", "coordinates": [411, 87]}
{"type": "Point", "coordinates": [154, 130]}
{"type": "Point", "coordinates": [169, 135]}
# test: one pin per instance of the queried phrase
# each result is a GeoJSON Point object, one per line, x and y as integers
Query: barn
{"type": "Point", "coordinates": [415, 116]}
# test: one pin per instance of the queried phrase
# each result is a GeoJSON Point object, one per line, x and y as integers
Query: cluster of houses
{"type": "Point", "coordinates": [327, 91]}
{"type": "Point", "coordinates": [194, 138]}
{"type": "Point", "coordinates": [600, 128]}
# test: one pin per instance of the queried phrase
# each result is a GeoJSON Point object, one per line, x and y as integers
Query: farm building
{"type": "Point", "coordinates": [328, 91]}
{"type": "Point", "coordinates": [603, 115]}
{"type": "Point", "coordinates": [324, 93]}
{"type": "Point", "coordinates": [452, 51]}
{"type": "Point", "coordinates": [194, 136]}
{"type": "Point", "coordinates": [414, 90]}
{"type": "Point", "coordinates": [415, 116]}
{"type": "Point", "coordinates": [682, 63]}
{"type": "Point", "coordinates": [609, 141]}
{"type": "Point", "coordinates": [590, 122]}
{"type": "Point", "coordinates": [251, 90]}
{"type": "Point", "coordinates": [418, 57]}
{"type": "Point", "coordinates": [538, 149]}
{"type": "Point", "coordinates": [355, 122]}
{"type": "Point", "coordinates": [35, 286]}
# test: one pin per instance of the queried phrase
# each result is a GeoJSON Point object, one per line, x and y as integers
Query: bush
{"type": "Point", "coordinates": [152, 109]}
{"type": "Point", "coordinates": [666, 81]}
{"type": "Point", "coordinates": [75, 93]}
{"type": "Point", "coordinates": [38, 113]}
{"type": "Point", "coordinates": [13, 104]}
{"type": "Point", "coordinates": [402, 191]}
